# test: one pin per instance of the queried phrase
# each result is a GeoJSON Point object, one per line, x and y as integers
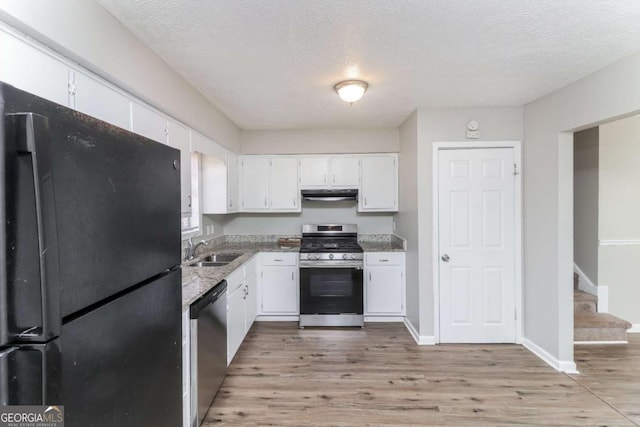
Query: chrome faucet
{"type": "Point", "coordinates": [190, 251]}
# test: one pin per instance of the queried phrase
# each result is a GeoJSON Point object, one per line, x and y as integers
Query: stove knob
{"type": "Point", "coordinates": [310, 256]}
{"type": "Point", "coordinates": [330, 256]}
{"type": "Point", "coordinates": [317, 256]}
{"type": "Point", "coordinates": [353, 256]}
{"type": "Point", "coordinates": [344, 256]}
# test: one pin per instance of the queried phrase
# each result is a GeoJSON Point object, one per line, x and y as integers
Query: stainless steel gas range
{"type": "Point", "coordinates": [331, 276]}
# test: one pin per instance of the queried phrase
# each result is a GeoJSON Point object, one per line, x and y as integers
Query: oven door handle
{"type": "Point", "coordinates": [318, 265]}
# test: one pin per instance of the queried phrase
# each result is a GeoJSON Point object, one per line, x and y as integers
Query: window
{"type": "Point", "coordinates": [191, 222]}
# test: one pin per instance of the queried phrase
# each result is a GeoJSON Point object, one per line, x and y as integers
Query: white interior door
{"type": "Point", "coordinates": [477, 245]}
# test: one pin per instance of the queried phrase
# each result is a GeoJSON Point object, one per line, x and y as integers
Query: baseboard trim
{"type": "Point", "coordinates": [558, 365]}
{"type": "Point", "coordinates": [419, 339]}
{"type": "Point", "coordinates": [600, 342]}
{"type": "Point", "coordinates": [635, 329]}
{"type": "Point", "coordinates": [584, 283]}
{"type": "Point", "coordinates": [278, 318]}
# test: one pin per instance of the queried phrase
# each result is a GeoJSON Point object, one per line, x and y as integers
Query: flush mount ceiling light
{"type": "Point", "coordinates": [351, 90]}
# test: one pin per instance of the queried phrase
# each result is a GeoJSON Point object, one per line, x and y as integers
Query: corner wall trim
{"type": "Point", "coordinates": [558, 365]}
{"type": "Point", "coordinates": [419, 339]}
{"type": "Point", "coordinates": [584, 283]}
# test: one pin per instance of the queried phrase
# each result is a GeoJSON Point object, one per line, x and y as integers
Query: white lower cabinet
{"type": "Point", "coordinates": [279, 284]}
{"type": "Point", "coordinates": [241, 305]}
{"type": "Point", "coordinates": [384, 284]}
{"type": "Point", "coordinates": [236, 307]}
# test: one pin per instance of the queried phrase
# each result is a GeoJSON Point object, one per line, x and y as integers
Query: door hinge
{"type": "Point", "coordinates": [515, 169]}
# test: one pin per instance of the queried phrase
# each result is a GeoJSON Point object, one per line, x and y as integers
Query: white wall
{"type": "Point", "coordinates": [548, 196]}
{"type": "Point", "coordinates": [450, 124]}
{"type": "Point", "coordinates": [320, 141]}
{"type": "Point", "coordinates": [585, 202]}
{"type": "Point", "coordinates": [86, 33]}
{"type": "Point", "coordinates": [312, 213]}
{"type": "Point", "coordinates": [407, 217]}
{"type": "Point", "coordinates": [620, 215]}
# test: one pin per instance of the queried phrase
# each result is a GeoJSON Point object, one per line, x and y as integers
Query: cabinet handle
{"type": "Point", "coordinates": [325, 178]}
{"type": "Point", "coordinates": [369, 276]}
{"type": "Point", "coordinates": [383, 260]}
{"type": "Point", "coordinates": [265, 201]}
{"type": "Point", "coordinates": [189, 200]}
{"type": "Point", "coordinates": [365, 200]}
{"type": "Point", "coordinates": [277, 260]}
{"type": "Point", "coordinates": [334, 178]}
{"type": "Point", "coordinates": [292, 278]}
{"type": "Point", "coordinates": [294, 201]}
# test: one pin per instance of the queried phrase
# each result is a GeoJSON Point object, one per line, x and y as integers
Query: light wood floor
{"type": "Point", "coordinates": [284, 376]}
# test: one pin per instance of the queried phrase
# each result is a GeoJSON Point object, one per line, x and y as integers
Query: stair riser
{"type": "Point", "coordinates": [600, 334]}
{"type": "Point", "coordinates": [584, 306]}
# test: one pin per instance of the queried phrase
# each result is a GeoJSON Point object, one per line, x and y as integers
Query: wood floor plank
{"type": "Point", "coordinates": [378, 376]}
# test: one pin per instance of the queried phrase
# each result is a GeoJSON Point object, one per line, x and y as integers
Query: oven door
{"type": "Point", "coordinates": [331, 290]}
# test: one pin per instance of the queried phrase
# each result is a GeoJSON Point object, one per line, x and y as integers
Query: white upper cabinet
{"type": "Point", "coordinates": [344, 172]}
{"type": "Point", "coordinates": [285, 195]}
{"type": "Point", "coordinates": [328, 172]}
{"type": "Point", "coordinates": [254, 183]}
{"type": "Point", "coordinates": [94, 98]}
{"type": "Point", "coordinates": [233, 190]}
{"type": "Point", "coordinates": [269, 184]}
{"type": "Point", "coordinates": [378, 183]}
{"type": "Point", "coordinates": [179, 137]}
{"type": "Point", "coordinates": [314, 172]}
{"type": "Point", "coordinates": [148, 123]}
{"type": "Point", "coordinates": [33, 70]}
{"type": "Point", "coordinates": [219, 183]}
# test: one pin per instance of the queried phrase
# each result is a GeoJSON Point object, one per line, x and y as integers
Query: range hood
{"type": "Point", "coordinates": [330, 195]}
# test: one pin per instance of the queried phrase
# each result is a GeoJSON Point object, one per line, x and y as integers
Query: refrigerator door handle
{"type": "Point", "coordinates": [31, 136]}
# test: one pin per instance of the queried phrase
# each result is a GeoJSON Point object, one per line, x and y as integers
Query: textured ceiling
{"type": "Point", "coordinates": [272, 64]}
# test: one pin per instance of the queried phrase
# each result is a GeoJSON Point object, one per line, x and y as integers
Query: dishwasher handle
{"type": "Point", "coordinates": [207, 299]}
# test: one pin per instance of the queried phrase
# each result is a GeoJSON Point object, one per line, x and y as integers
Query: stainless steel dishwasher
{"type": "Point", "coordinates": [208, 349]}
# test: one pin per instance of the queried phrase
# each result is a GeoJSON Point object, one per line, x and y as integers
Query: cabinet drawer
{"type": "Point", "coordinates": [280, 258]}
{"type": "Point", "coordinates": [385, 258]}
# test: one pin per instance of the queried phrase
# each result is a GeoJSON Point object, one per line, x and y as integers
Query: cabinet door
{"type": "Point", "coordinates": [285, 195]}
{"type": "Point", "coordinates": [279, 290]}
{"type": "Point", "coordinates": [314, 172]}
{"type": "Point", "coordinates": [255, 183]}
{"type": "Point", "coordinates": [148, 123]}
{"type": "Point", "coordinates": [32, 70]}
{"type": "Point", "coordinates": [179, 137]}
{"type": "Point", "coordinates": [384, 292]}
{"type": "Point", "coordinates": [235, 321]}
{"type": "Point", "coordinates": [379, 183]}
{"type": "Point", "coordinates": [251, 300]}
{"type": "Point", "coordinates": [94, 98]}
{"type": "Point", "coordinates": [345, 172]}
{"type": "Point", "coordinates": [214, 184]}
{"type": "Point", "coordinates": [232, 182]}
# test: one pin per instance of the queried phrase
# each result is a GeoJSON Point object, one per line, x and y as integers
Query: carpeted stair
{"type": "Point", "coordinates": [591, 326]}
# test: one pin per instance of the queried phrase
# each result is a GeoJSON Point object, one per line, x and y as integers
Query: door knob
{"type": "Point", "coordinates": [445, 258]}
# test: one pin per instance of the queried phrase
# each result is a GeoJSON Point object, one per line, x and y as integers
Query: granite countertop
{"type": "Point", "coordinates": [196, 281]}
{"type": "Point", "coordinates": [382, 246]}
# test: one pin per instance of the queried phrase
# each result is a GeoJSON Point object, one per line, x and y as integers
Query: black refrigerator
{"type": "Point", "coordinates": [90, 279]}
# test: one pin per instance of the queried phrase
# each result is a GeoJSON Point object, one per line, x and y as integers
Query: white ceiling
{"type": "Point", "coordinates": [272, 64]}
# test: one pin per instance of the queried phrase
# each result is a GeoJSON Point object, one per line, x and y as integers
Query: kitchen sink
{"type": "Point", "coordinates": [215, 260]}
